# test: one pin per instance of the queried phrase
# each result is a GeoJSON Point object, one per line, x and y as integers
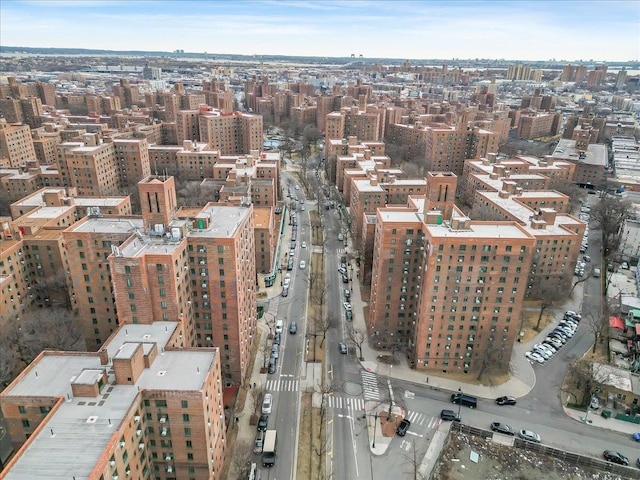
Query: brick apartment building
{"type": "Point", "coordinates": [231, 133]}
{"type": "Point", "coordinates": [33, 258]}
{"type": "Point", "coordinates": [195, 264]}
{"type": "Point", "coordinates": [449, 289]}
{"type": "Point", "coordinates": [16, 144]}
{"type": "Point", "coordinates": [444, 147]}
{"type": "Point", "coordinates": [141, 407]}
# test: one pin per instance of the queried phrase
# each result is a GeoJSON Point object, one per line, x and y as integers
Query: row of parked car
{"type": "Point", "coordinates": [567, 327]}
{"type": "Point", "coordinates": [584, 216]}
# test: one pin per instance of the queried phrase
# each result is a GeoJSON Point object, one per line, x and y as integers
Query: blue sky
{"type": "Point", "coordinates": [540, 30]}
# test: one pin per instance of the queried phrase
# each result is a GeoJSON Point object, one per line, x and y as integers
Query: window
{"type": "Point", "coordinates": [21, 409]}
{"type": "Point", "coordinates": [185, 417]}
{"type": "Point", "coordinates": [185, 404]}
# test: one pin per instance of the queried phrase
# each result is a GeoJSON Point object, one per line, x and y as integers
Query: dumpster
{"type": "Point", "coordinates": [606, 413]}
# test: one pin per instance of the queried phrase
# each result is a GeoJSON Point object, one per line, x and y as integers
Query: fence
{"type": "Point", "coordinates": [577, 459]}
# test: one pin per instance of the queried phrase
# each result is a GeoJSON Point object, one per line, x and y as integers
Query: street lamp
{"type": "Point", "coordinates": [375, 421]}
{"type": "Point", "coordinates": [459, 400]}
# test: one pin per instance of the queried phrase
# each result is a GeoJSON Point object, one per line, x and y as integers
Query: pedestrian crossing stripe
{"type": "Point", "coordinates": [282, 385]}
{"type": "Point", "coordinates": [356, 405]}
{"type": "Point", "coordinates": [370, 385]}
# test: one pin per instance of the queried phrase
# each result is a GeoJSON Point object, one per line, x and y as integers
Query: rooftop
{"type": "Point", "coordinates": [596, 153]}
{"type": "Point", "coordinates": [108, 225]}
{"type": "Point", "coordinates": [88, 422]}
{"type": "Point", "coordinates": [225, 220]}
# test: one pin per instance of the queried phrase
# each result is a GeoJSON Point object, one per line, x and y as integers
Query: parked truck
{"type": "Point", "coordinates": [269, 449]}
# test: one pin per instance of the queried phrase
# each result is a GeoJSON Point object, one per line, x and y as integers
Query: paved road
{"type": "Point", "coordinates": [285, 383]}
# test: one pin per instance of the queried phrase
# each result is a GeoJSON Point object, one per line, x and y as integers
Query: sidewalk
{"type": "Point", "coordinates": [520, 383]}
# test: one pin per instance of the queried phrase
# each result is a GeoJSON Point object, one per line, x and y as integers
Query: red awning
{"type": "Point", "coordinates": [637, 328]}
{"type": "Point", "coordinates": [616, 322]}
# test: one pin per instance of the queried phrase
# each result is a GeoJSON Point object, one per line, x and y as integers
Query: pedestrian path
{"type": "Point", "coordinates": [370, 385]}
{"type": "Point", "coordinates": [282, 385]}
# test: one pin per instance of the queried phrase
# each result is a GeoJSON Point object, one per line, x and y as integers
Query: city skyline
{"type": "Point", "coordinates": [571, 31]}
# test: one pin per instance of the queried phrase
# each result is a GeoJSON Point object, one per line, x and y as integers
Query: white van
{"type": "Point", "coordinates": [279, 326]}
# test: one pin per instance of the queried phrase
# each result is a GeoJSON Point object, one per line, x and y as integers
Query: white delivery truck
{"type": "Point", "coordinates": [269, 449]}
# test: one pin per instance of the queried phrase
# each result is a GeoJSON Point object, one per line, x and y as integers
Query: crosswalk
{"type": "Point", "coordinates": [282, 385]}
{"type": "Point", "coordinates": [356, 406]}
{"type": "Point", "coordinates": [370, 385]}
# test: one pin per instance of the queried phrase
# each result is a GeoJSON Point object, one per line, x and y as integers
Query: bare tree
{"type": "Point", "coordinates": [242, 454]}
{"type": "Point", "coordinates": [257, 395]}
{"type": "Point", "coordinates": [571, 190]}
{"type": "Point", "coordinates": [414, 462]}
{"type": "Point", "coordinates": [265, 351]}
{"type": "Point", "coordinates": [610, 215]}
{"type": "Point", "coordinates": [581, 280]}
{"type": "Point", "coordinates": [597, 326]}
{"type": "Point", "coordinates": [47, 329]}
{"type": "Point", "coordinates": [548, 290]}
{"type": "Point", "coordinates": [8, 361]}
{"type": "Point", "coordinates": [492, 358]}
{"type": "Point", "coordinates": [324, 324]}
{"type": "Point", "coordinates": [584, 378]}
{"type": "Point", "coordinates": [357, 337]}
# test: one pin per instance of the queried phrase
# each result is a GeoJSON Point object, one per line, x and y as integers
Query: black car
{"type": "Point", "coordinates": [615, 457]}
{"type": "Point", "coordinates": [263, 422]}
{"type": "Point", "coordinates": [502, 428]}
{"type": "Point", "coordinates": [403, 427]}
{"type": "Point", "coordinates": [277, 338]}
{"type": "Point", "coordinates": [449, 415]}
{"type": "Point", "coordinates": [345, 279]}
{"type": "Point", "coordinates": [506, 400]}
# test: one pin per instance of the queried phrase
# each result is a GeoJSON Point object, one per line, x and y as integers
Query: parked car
{"type": "Point", "coordinates": [534, 357]}
{"type": "Point", "coordinates": [267, 403]}
{"type": "Point", "coordinates": [347, 294]}
{"type": "Point", "coordinates": [596, 272]}
{"type": "Point", "coordinates": [449, 415]}
{"type": "Point", "coordinates": [615, 457]}
{"type": "Point", "coordinates": [343, 348]}
{"type": "Point", "coordinates": [345, 279]}
{"type": "Point", "coordinates": [342, 271]}
{"type": "Point", "coordinates": [293, 328]}
{"type": "Point", "coordinates": [259, 442]}
{"type": "Point", "coordinates": [340, 236]}
{"type": "Point", "coordinates": [285, 292]}
{"type": "Point", "coordinates": [277, 338]}
{"type": "Point", "coordinates": [275, 353]}
{"type": "Point", "coordinates": [349, 314]}
{"type": "Point", "coordinates": [263, 422]}
{"type": "Point", "coordinates": [272, 365]}
{"type": "Point", "coordinates": [346, 305]}
{"type": "Point", "coordinates": [542, 353]}
{"type": "Point", "coordinates": [553, 341]}
{"type": "Point", "coordinates": [549, 346]}
{"type": "Point", "coordinates": [529, 436]}
{"type": "Point", "coordinates": [506, 400]}
{"type": "Point", "coordinates": [595, 402]}
{"type": "Point", "coordinates": [502, 428]}
{"type": "Point", "coordinates": [403, 427]}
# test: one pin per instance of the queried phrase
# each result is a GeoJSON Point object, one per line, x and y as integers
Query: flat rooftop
{"type": "Point", "coordinates": [75, 435]}
{"type": "Point", "coordinates": [108, 225]}
{"type": "Point", "coordinates": [148, 245]}
{"type": "Point", "coordinates": [225, 220]}
{"type": "Point", "coordinates": [596, 153]}
{"type": "Point", "coordinates": [479, 230]}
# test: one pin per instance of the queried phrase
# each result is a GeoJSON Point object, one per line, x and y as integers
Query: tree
{"type": "Point", "coordinates": [598, 325]}
{"type": "Point", "coordinates": [357, 337]}
{"type": "Point", "coordinates": [265, 351]}
{"type": "Point", "coordinates": [324, 324]}
{"type": "Point", "coordinates": [584, 378]}
{"type": "Point", "coordinates": [47, 329]}
{"type": "Point", "coordinates": [8, 361]}
{"type": "Point", "coordinates": [571, 190]}
{"type": "Point", "coordinates": [492, 358]}
{"type": "Point", "coordinates": [257, 395]}
{"type": "Point", "coordinates": [310, 135]}
{"type": "Point", "coordinates": [242, 454]}
{"type": "Point", "coordinates": [548, 290]}
{"type": "Point", "coordinates": [610, 215]}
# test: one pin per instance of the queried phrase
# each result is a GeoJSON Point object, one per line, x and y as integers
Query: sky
{"type": "Point", "coordinates": [404, 29]}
